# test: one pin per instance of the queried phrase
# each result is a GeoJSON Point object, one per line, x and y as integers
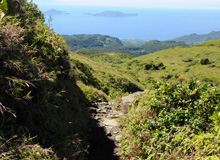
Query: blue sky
{"type": "Point", "coordinates": [191, 4]}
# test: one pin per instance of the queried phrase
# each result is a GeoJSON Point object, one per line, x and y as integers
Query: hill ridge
{"type": "Point", "coordinates": [194, 38]}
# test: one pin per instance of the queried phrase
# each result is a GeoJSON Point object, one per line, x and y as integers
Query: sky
{"type": "Point", "coordinates": [190, 4]}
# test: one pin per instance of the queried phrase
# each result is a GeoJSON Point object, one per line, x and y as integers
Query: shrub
{"type": "Point", "coordinates": [173, 122]}
{"type": "Point", "coordinates": [193, 63]}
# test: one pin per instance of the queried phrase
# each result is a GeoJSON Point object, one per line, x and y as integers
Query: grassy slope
{"type": "Point", "coordinates": [101, 78]}
{"type": "Point", "coordinates": [106, 57]}
{"type": "Point", "coordinates": [173, 61]}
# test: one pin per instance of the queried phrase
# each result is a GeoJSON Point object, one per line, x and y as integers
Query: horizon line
{"type": "Point", "coordinates": [140, 7]}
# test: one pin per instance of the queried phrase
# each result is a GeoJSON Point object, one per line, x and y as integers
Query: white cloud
{"type": "Point", "coordinates": [200, 4]}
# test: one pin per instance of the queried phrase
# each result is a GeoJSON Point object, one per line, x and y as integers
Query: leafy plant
{"type": "Point", "coordinates": [173, 122]}
{"type": "Point", "coordinates": [3, 8]}
{"type": "Point", "coordinates": [25, 149]}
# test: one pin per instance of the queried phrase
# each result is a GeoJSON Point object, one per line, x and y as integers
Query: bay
{"type": "Point", "coordinates": [150, 24]}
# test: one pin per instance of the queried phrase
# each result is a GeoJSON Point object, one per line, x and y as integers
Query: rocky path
{"type": "Point", "coordinates": [105, 130]}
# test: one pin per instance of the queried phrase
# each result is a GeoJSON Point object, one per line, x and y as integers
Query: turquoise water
{"type": "Point", "coordinates": [160, 24]}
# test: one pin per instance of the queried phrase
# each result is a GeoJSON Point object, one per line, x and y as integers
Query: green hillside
{"type": "Point", "coordinates": [102, 79]}
{"type": "Point", "coordinates": [106, 57]}
{"type": "Point", "coordinates": [166, 64]}
{"type": "Point", "coordinates": [83, 41]}
{"type": "Point", "coordinates": [153, 46]}
{"type": "Point", "coordinates": [193, 39]}
{"type": "Point", "coordinates": [133, 42]}
{"type": "Point", "coordinates": [102, 43]}
{"type": "Point", "coordinates": [178, 61]}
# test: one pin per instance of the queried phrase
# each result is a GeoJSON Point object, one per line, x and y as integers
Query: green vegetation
{"type": "Point", "coordinates": [193, 39]}
{"type": "Point", "coordinates": [133, 42]}
{"type": "Point", "coordinates": [3, 8]}
{"type": "Point", "coordinates": [178, 61]}
{"type": "Point", "coordinates": [175, 62]}
{"type": "Point", "coordinates": [106, 57]}
{"type": "Point", "coordinates": [46, 91]}
{"type": "Point", "coordinates": [148, 47]}
{"type": "Point", "coordinates": [153, 46]}
{"type": "Point", "coordinates": [39, 100]}
{"type": "Point", "coordinates": [176, 121]}
{"type": "Point", "coordinates": [101, 43]}
{"type": "Point", "coordinates": [101, 78]}
{"type": "Point", "coordinates": [82, 41]}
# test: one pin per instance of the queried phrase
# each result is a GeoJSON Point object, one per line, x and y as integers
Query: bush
{"type": "Point", "coordinates": [172, 122]}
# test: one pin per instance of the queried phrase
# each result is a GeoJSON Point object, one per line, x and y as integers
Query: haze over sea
{"type": "Point", "coordinates": [150, 24]}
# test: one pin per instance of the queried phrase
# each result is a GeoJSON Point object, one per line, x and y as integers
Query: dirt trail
{"type": "Point", "coordinates": [105, 130]}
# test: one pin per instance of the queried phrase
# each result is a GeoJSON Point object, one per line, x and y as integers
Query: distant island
{"type": "Point", "coordinates": [113, 14]}
{"type": "Point", "coordinates": [52, 12]}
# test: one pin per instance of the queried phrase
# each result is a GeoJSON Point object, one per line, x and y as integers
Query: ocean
{"type": "Point", "coordinates": [150, 24]}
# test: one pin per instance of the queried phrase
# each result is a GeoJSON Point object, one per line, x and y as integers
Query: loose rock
{"type": "Point", "coordinates": [204, 61]}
